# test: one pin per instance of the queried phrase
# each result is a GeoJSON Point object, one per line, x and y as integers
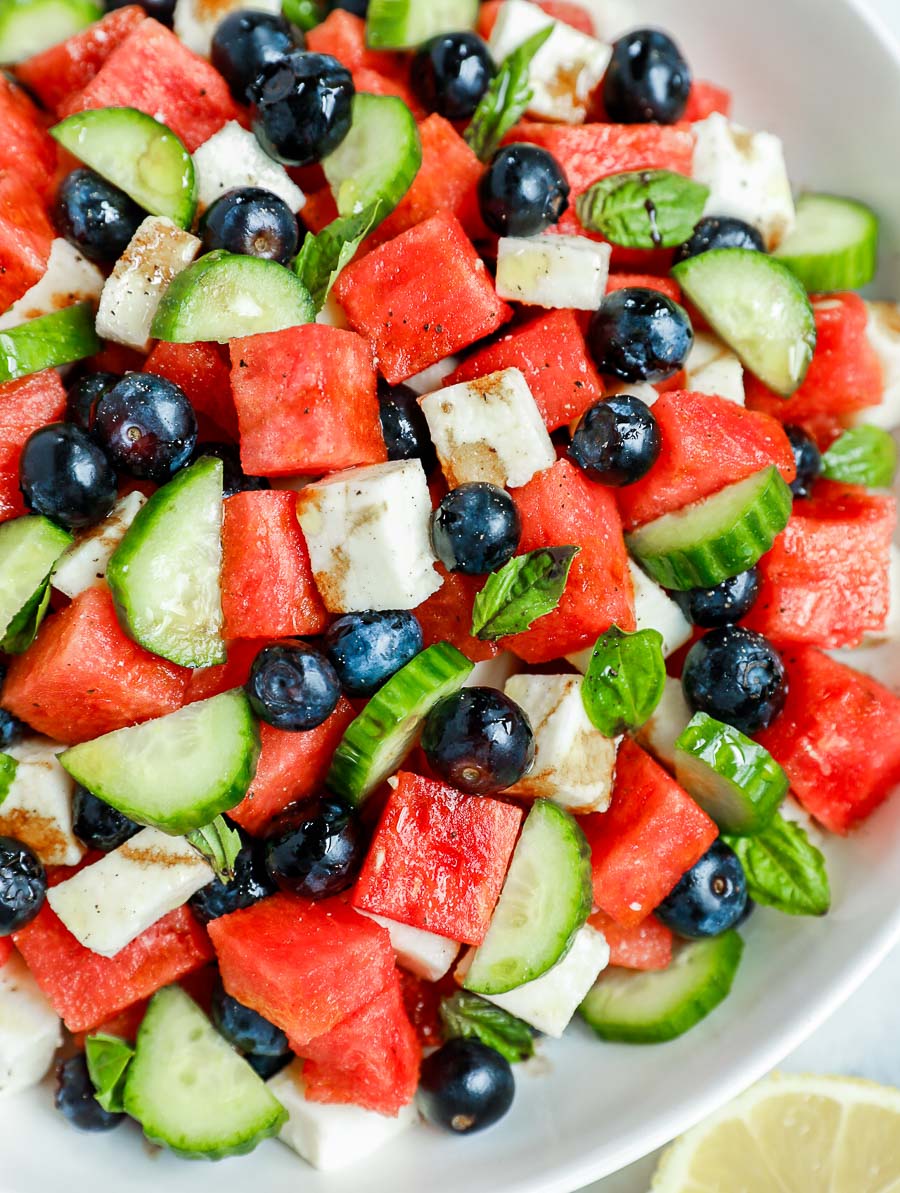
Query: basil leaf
{"type": "Point", "coordinates": [862, 456]}
{"type": "Point", "coordinates": [305, 14]}
{"type": "Point", "coordinates": [507, 98]}
{"type": "Point", "coordinates": [624, 681]}
{"type": "Point", "coordinates": [108, 1059]}
{"type": "Point", "coordinates": [526, 588]}
{"type": "Point", "coordinates": [643, 209]}
{"type": "Point", "coordinates": [217, 844]}
{"type": "Point", "coordinates": [21, 631]}
{"type": "Point", "coordinates": [469, 1017]}
{"type": "Point", "coordinates": [784, 869]}
{"type": "Point", "coordinates": [323, 256]}
{"type": "Point", "coordinates": [8, 768]}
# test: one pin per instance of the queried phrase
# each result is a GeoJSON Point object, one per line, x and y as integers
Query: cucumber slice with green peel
{"type": "Point", "coordinates": [545, 901]}
{"type": "Point", "coordinates": [376, 743]}
{"type": "Point", "coordinates": [650, 1008]}
{"type": "Point", "coordinates": [29, 547]}
{"type": "Point", "coordinates": [164, 575]}
{"type": "Point", "coordinates": [833, 245]}
{"type": "Point", "coordinates": [138, 154]}
{"type": "Point", "coordinates": [722, 535]}
{"type": "Point", "coordinates": [405, 24]}
{"type": "Point", "coordinates": [375, 164]}
{"type": "Point", "coordinates": [225, 295]}
{"type": "Point", "coordinates": [29, 27]}
{"type": "Point", "coordinates": [305, 14]}
{"type": "Point", "coordinates": [8, 768]}
{"type": "Point", "coordinates": [48, 342]}
{"type": "Point", "coordinates": [734, 780]}
{"type": "Point", "coordinates": [758, 307]}
{"type": "Point", "coordinates": [189, 1089]}
{"type": "Point", "coordinates": [178, 772]}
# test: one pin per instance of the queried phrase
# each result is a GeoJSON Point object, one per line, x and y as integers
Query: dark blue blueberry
{"type": "Point", "coordinates": [301, 107]}
{"type": "Point", "coordinates": [451, 72]}
{"type": "Point", "coordinates": [476, 529]}
{"type": "Point", "coordinates": [404, 426]}
{"type": "Point", "coordinates": [247, 41]}
{"type": "Point", "coordinates": [478, 740]}
{"type": "Point", "coordinates": [366, 649]}
{"type": "Point", "coordinates": [736, 676]}
{"type": "Point", "coordinates": [250, 884]}
{"type": "Point", "coordinates": [267, 1066]}
{"type": "Point", "coordinates": [710, 898]}
{"type": "Point", "coordinates": [147, 426]}
{"type": "Point", "coordinates": [235, 479]}
{"type": "Point", "coordinates": [725, 604]}
{"type": "Point", "coordinates": [65, 476]}
{"type": "Point", "coordinates": [465, 1086]}
{"type": "Point", "coordinates": [647, 80]}
{"type": "Point", "coordinates": [359, 8]}
{"type": "Point", "coordinates": [95, 216]}
{"type": "Point", "coordinates": [75, 1098]}
{"type": "Point", "coordinates": [160, 10]}
{"type": "Point", "coordinates": [617, 441]}
{"type": "Point", "coordinates": [808, 459]}
{"type": "Point", "coordinates": [97, 825]}
{"type": "Point", "coordinates": [251, 221]}
{"type": "Point", "coordinates": [720, 232]}
{"type": "Point", "coordinates": [293, 687]}
{"type": "Point", "coordinates": [23, 885]}
{"type": "Point", "coordinates": [12, 730]}
{"type": "Point", "coordinates": [315, 847]}
{"type": "Point", "coordinates": [246, 1029]}
{"type": "Point", "coordinates": [84, 394]}
{"type": "Point", "coordinates": [640, 335]}
{"type": "Point", "coordinates": [523, 191]}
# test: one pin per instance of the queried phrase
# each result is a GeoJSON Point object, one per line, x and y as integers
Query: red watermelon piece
{"type": "Point", "coordinates": [26, 235]}
{"type": "Point", "coordinates": [649, 281]}
{"type": "Point", "coordinates": [706, 98]}
{"type": "Point", "coordinates": [319, 209]}
{"type": "Point", "coordinates": [646, 946]}
{"type": "Point", "coordinates": [6, 949]}
{"type": "Point", "coordinates": [25, 405]}
{"type": "Point", "coordinates": [563, 10]}
{"type": "Point", "coordinates": [26, 148]}
{"type": "Point", "coordinates": [343, 35]}
{"type": "Point", "coordinates": [203, 371]}
{"type": "Point", "coordinates": [207, 682]}
{"type": "Point", "coordinates": [447, 615]}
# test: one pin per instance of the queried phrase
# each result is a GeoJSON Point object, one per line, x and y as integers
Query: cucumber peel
{"type": "Point", "coordinates": [406, 24]}
{"type": "Point", "coordinates": [48, 342]}
{"type": "Point", "coordinates": [28, 27]}
{"type": "Point", "coordinates": [833, 245]}
{"type": "Point", "coordinates": [375, 164]}
{"type": "Point", "coordinates": [29, 547]}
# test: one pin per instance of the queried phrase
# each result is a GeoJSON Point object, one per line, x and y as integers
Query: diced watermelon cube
{"type": "Point", "coordinates": [319, 209]}
{"type": "Point", "coordinates": [25, 405]}
{"type": "Point", "coordinates": [26, 148]}
{"type": "Point", "coordinates": [343, 35]}
{"type": "Point", "coordinates": [374, 83]}
{"type": "Point", "coordinates": [706, 98]}
{"type": "Point", "coordinates": [447, 615]}
{"type": "Point", "coordinates": [572, 14]}
{"type": "Point", "coordinates": [650, 281]}
{"type": "Point", "coordinates": [207, 682]}
{"type": "Point", "coordinates": [26, 236]}
{"type": "Point", "coordinates": [647, 945]}
{"type": "Point", "coordinates": [6, 948]}
{"type": "Point", "coordinates": [203, 371]}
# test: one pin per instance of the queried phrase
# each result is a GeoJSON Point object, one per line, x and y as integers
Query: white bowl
{"type": "Point", "coordinates": [828, 80]}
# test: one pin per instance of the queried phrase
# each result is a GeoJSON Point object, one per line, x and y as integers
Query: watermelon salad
{"type": "Point", "coordinates": [440, 457]}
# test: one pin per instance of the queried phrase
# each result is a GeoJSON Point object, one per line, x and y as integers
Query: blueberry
{"type": "Point", "coordinates": [647, 80]}
{"type": "Point", "coordinates": [315, 847]}
{"type": "Point", "coordinates": [250, 884]}
{"type": "Point", "coordinates": [725, 604]}
{"type": "Point", "coordinates": [617, 441]}
{"type": "Point", "coordinates": [147, 426]}
{"type": "Point", "coordinates": [465, 1086]}
{"type": "Point", "coordinates": [23, 885]}
{"type": "Point", "coordinates": [97, 825]}
{"type": "Point", "coordinates": [84, 394]}
{"type": "Point", "coordinates": [359, 8]}
{"type": "Point", "coordinates": [65, 476]}
{"type": "Point", "coordinates": [160, 10]}
{"type": "Point", "coordinates": [267, 1066]}
{"type": "Point", "coordinates": [95, 216]}
{"type": "Point", "coordinates": [75, 1098]}
{"type": "Point", "coordinates": [12, 730]}
{"type": "Point", "coordinates": [301, 107]}
{"type": "Point", "coordinates": [451, 72]}
{"type": "Point", "coordinates": [478, 740]}
{"type": "Point", "coordinates": [736, 676]}
{"type": "Point", "coordinates": [404, 426]}
{"type": "Point", "coordinates": [235, 479]}
{"type": "Point", "coordinates": [808, 459]}
{"type": "Point", "coordinates": [476, 529]}
{"type": "Point", "coordinates": [251, 221]}
{"type": "Point", "coordinates": [247, 41]}
{"type": "Point", "coordinates": [640, 335]}
{"type": "Point", "coordinates": [523, 191]}
{"type": "Point", "coordinates": [246, 1029]}
{"type": "Point", "coordinates": [720, 232]}
{"type": "Point", "coordinates": [366, 649]}
{"type": "Point", "coordinates": [293, 687]}
{"type": "Point", "coordinates": [710, 898]}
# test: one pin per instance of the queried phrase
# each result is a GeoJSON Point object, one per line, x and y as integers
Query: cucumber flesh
{"type": "Point", "coordinates": [29, 27]}
{"type": "Point", "coordinates": [722, 535]}
{"type": "Point", "coordinates": [375, 744]}
{"type": "Point", "coordinates": [758, 307]}
{"type": "Point", "coordinates": [48, 342]}
{"type": "Point", "coordinates": [29, 547]}
{"type": "Point", "coordinates": [405, 24]}
{"type": "Point", "coordinates": [651, 1008]}
{"type": "Point", "coordinates": [164, 575]}
{"type": "Point", "coordinates": [833, 245]}
{"type": "Point", "coordinates": [375, 164]}
{"type": "Point", "coordinates": [178, 772]}
{"type": "Point", "coordinates": [190, 1091]}
{"type": "Point", "coordinates": [545, 901]}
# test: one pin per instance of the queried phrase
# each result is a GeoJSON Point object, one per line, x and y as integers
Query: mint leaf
{"type": "Point", "coordinates": [624, 681]}
{"type": "Point", "coordinates": [507, 98]}
{"type": "Point", "coordinates": [217, 844]}
{"type": "Point", "coordinates": [643, 209]}
{"type": "Point", "coordinates": [305, 14]}
{"type": "Point", "coordinates": [8, 768]}
{"type": "Point", "coordinates": [323, 256]}
{"type": "Point", "coordinates": [21, 631]}
{"type": "Point", "coordinates": [469, 1017]}
{"type": "Point", "coordinates": [526, 588]}
{"type": "Point", "coordinates": [862, 456]}
{"type": "Point", "coordinates": [108, 1058]}
{"type": "Point", "coordinates": [784, 869]}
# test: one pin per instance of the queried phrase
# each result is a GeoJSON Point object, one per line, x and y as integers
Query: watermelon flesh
{"type": "Point", "coordinates": [25, 405]}
{"type": "Point", "coordinates": [203, 371]}
{"type": "Point", "coordinates": [645, 946]}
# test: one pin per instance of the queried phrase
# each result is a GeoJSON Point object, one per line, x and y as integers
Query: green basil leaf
{"type": "Point", "coordinates": [526, 588]}
{"type": "Point", "coordinates": [624, 681]}
{"type": "Point", "coordinates": [21, 631]}
{"type": "Point", "coordinates": [305, 14]}
{"type": "Point", "coordinates": [8, 768]}
{"type": "Point", "coordinates": [323, 256]}
{"type": "Point", "coordinates": [643, 209]}
{"type": "Point", "coordinates": [784, 869]}
{"type": "Point", "coordinates": [469, 1017]}
{"type": "Point", "coordinates": [507, 98]}
{"type": "Point", "coordinates": [108, 1058]}
{"type": "Point", "coordinates": [862, 456]}
{"type": "Point", "coordinates": [217, 844]}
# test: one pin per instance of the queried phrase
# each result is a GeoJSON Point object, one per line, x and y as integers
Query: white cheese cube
{"type": "Point", "coordinates": [332, 315]}
{"type": "Point", "coordinates": [156, 253]}
{"type": "Point", "coordinates": [106, 905]}
{"type": "Point", "coordinates": [38, 806]}
{"type": "Point", "coordinates": [84, 563]}
{"type": "Point", "coordinates": [574, 763]}
{"type": "Point", "coordinates": [233, 157]}
{"type": "Point", "coordinates": [566, 69]}
{"type": "Point", "coordinates": [69, 278]}
{"type": "Point", "coordinates": [489, 430]}
{"type": "Point", "coordinates": [330, 1137]}
{"type": "Point", "coordinates": [30, 1030]}
{"type": "Point", "coordinates": [425, 954]}
{"type": "Point", "coordinates": [553, 271]}
{"type": "Point", "coordinates": [711, 368]}
{"type": "Point", "coordinates": [369, 538]}
{"type": "Point", "coordinates": [665, 726]}
{"type": "Point", "coordinates": [639, 389]}
{"type": "Point", "coordinates": [746, 176]}
{"type": "Point", "coordinates": [883, 333]}
{"type": "Point", "coordinates": [432, 378]}
{"type": "Point", "coordinates": [195, 21]}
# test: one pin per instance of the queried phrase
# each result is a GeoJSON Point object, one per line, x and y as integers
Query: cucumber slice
{"type": "Point", "coordinates": [223, 296]}
{"type": "Point", "coordinates": [375, 164]}
{"type": "Point", "coordinates": [735, 781]}
{"type": "Point", "coordinates": [164, 575]}
{"type": "Point", "coordinates": [29, 547]}
{"type": "Point", "coordinates": [758, 307]}
{"type": "Point", "coordinates": [833, 245]}
{"type": "Point", "coordinates": [190, 1091]}
{"type": "Point", "coordinates": [650, 1008]}
{"type": "Point", "coordinates": [29, 27]}
{"type": "Point", "coordinates": [8, 768]}
{"type": "Point", "coordinates": [305, 14]}
{"type": "Point", "coordinates": [375, 744]}
{"type": "Point", "coordinates": [405, 24]}
{"type": "Point", "coordinates": [48, 342]}
{"type": "Point", "coordinates": [705, 543]}
{"type": "Point", "coordinates": [138, 155]}
{"type": "Point", "coordinates": [176, 773]}
{"type": "Point", "coordinates": [545, 901]}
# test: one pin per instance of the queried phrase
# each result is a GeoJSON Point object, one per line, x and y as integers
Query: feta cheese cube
{"type": "Point", "coordinates": [195, 21]}
{"type": "Point", "coordinates": [38, 806]}
{"type": "Point", "coordinates": [233, 157]}
{"type": "Point", "coordinates": [711, 368]}
{"type": "Point", "coordinates": [553, 271]}
{"type": "Point", "coordinates": [574, 763]}
{"type": "Point", "coordinates": [489, 430]}
{"type": "Point", "coordinates": [69, 278]}
{"type": "Point", "coordinates": [369, 538]}
{"type": "Point", "coordinates": [425, 954]}
{"type": "Point", "coordinates": [639, 389]}
{"type": "Point", "coordinates": [883, 333]}
{"type": "Point", "coordinates": [432, 378]}
{"type": "Point", "coordinates": [30, 1030]}
{"type": "Point", "coordinates": [156, 253]}
{"type": "Point", "coordinates": [665, 726]}
{"type": "Point", "coordinates": [84, 563]}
